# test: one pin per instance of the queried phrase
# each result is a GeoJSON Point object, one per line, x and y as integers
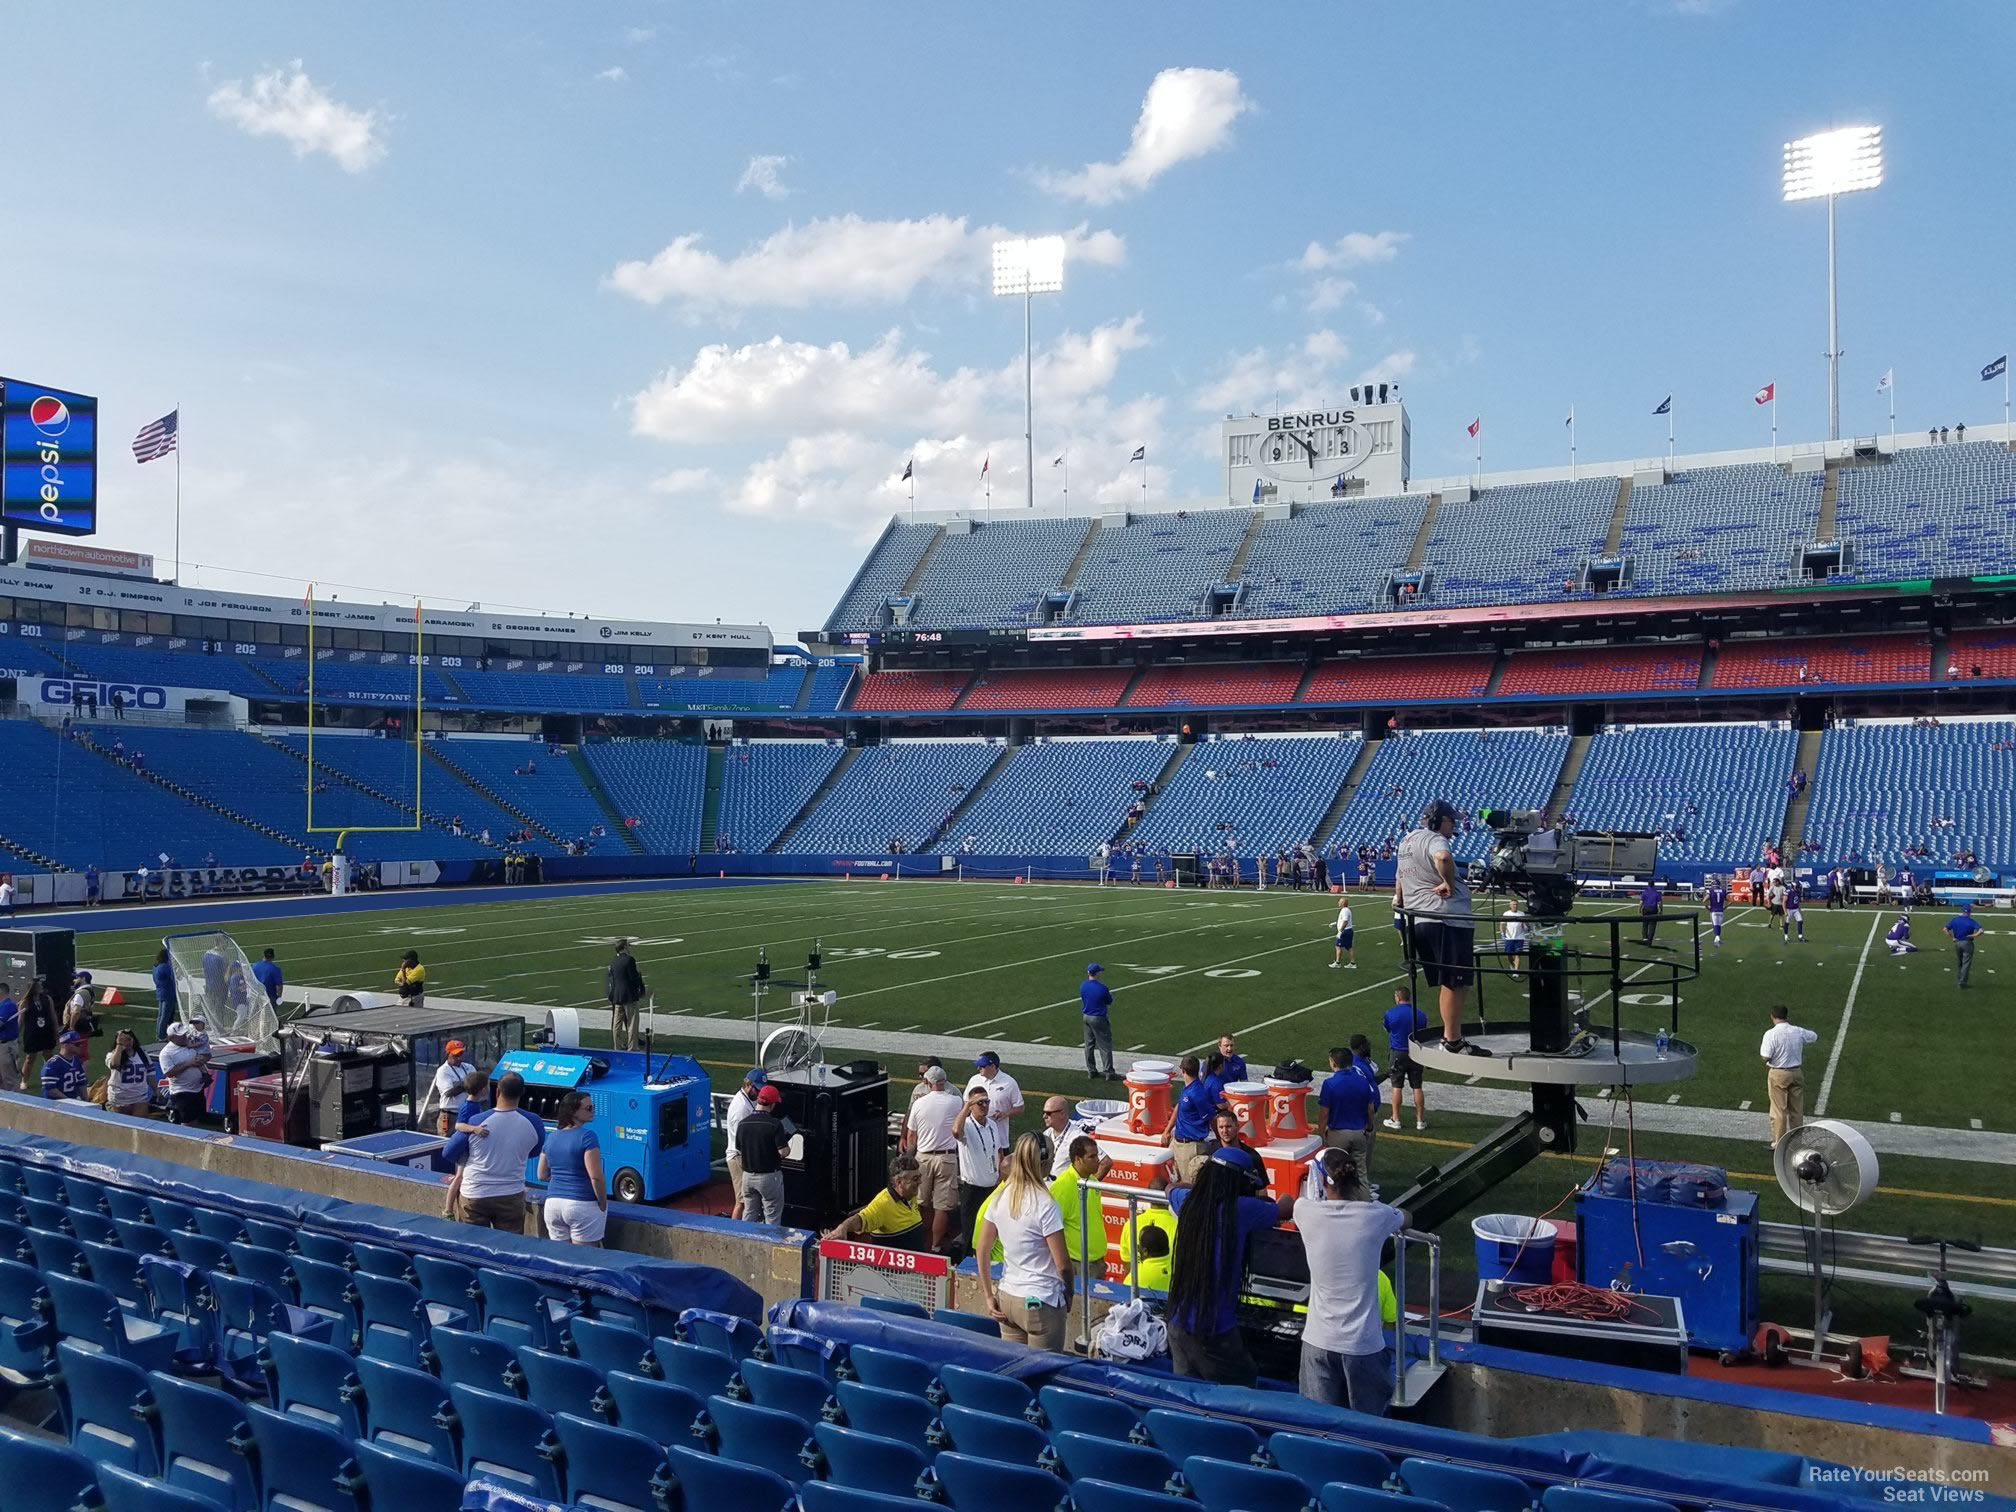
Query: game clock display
{"type": "Point", "coordinates": [48, 458]}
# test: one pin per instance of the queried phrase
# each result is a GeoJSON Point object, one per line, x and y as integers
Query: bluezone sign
{"type": "Point", "coordinates": [48, 458]}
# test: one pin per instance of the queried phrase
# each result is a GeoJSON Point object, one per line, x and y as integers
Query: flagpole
{"type": "Point", "coordinates": [1774, 423]}
{"type": "Point", "coordinates": [1669, 435]}
{"type": "Point", "coordinates": [911, 473]}
{"type": "Point", "coordinates": [178, 493]}
{"type": "Point", "coordinates": [1144, 478]}
{"type": "Point", "coordinates": [1067, 478]}
{"type": "Point", "coordinates": [1891, 389]}
{"type": "Point", "coordinates": [1571, 443]}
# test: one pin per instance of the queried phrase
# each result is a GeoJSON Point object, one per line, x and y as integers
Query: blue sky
{"type": "Point", "coordinates": [639, 308]}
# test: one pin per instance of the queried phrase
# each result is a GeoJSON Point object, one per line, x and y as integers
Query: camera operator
{"type": "Point", "coordinates": [1428, 884]}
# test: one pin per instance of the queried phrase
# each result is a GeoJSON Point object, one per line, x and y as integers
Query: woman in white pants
{"type": "Point", "coordinates": [576, 1209]}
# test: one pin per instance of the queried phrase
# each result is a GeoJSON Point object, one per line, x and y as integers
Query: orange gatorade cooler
{"type": "Point", "coordinates": [1287, 1163]}
{"type": "Point", "coordinates": [1288, 1107]}
{"type": "Point", "coordinates": [1147, 1100]}
{"type": "Point", "coordinates": [1138, 1165]}
{"type": "Point", "coordinates": [1250, 1100]}
{"type": "Point", "coordinates": [1166, 1067]}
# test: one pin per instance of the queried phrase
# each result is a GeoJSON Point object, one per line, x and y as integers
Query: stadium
{"type": "Point", "coordinates": [1719, 742]}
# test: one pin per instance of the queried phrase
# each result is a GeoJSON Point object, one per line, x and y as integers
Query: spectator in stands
{"type": "Point", "coordinates": [928, 1135]}
{"type": "Point", "coordinates": [624, 984]}
{"type": "Point", "coordinates": [980, 1150]}
{"type": "Point", "coordinates": [1345, 1105]}
{"type": "Point", "coordinates": [493, 1160]}
{"type": "Point", "coordinates": [1214, 1219]}
{"type": "Point", "coordinates": [165, 1012]}
{"type": "Point", "coordinates": [1963, 927]}
{"type": "Point", "coordinates": [1344, 1234]}
{"type": "Point", "coordinates": [1430, 888]}
{"type": "Point", "coordinates": [1095, 1002]}
{"type": "Point", "coordinates": [743, 1103]}
{"type": "Point", "coordinates": [129, 1076]}
{"type": "Point", "coordinates": [576, 1210]}
{"type": "Point", "coordinates": [10, 1040]}
{"type": "Point", "coordinates": [1784, 1052]}
{"type": "Point", "coordinates": [64, 1076]}
{"type": "Point", "coordinates": [1032, 1299]}
{"type": "Point", "coordinates": [890, 1217]}
{"type": "Point", "coordinates": [410, 981]}
{"type": "Point", "coordinates": [184, 1060]}
{"type": "Point", "coordinates": [762, 1140]}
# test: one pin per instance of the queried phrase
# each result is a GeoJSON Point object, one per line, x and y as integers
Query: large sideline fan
{"type": "Point", "coordinates": [213, 978]}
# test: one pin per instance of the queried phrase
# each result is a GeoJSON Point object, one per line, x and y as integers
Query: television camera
{"type": "Point", "coordinates": [1542, 863]}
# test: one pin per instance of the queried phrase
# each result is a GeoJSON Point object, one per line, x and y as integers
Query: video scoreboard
{"type": "Point", "coordinates": [48, 458]}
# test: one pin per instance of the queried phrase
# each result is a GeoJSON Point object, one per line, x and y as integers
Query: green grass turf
{"type": "Point", "coordinates": [972, 962]}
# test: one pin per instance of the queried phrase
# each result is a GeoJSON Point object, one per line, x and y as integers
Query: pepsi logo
{"type": "Point", "coordinates": [48, 414]}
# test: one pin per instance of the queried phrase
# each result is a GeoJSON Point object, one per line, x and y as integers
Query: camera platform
{"type": "Point", "coordinates": [1623, 1058]}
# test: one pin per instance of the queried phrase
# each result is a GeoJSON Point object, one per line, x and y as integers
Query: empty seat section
{"type": "Point", "coordinates": [1046, 688]}
{"type": "Point", "coordinates": [1399, 679]}
{"type": "Point", "coordinates": [1216, 685]}
{"type": "Point", "coordinates": [1993, 651]}
{"type": "Point", "coordinates": [764, 783]}
{"type": "Point", "coordinates": [660, 783]}
{"type": "Point", "coordinates": [366, 677]}
{"type": "Point", "coordinates": [1471, 768]}
{"type": "Point", "coordinates": [1887, 789]}
{"type": "Point", "coordinates": [1058, 797]}
{"type": "Point", "coordinates": [724, 687]}
{"type": "Point", "coordinates": [564, 687]}
{"type": "Point", "coordinates": [241, 771]}
{"type": "Point", "coordinates": [902, 790]}
{"type": "Point", "coordinates": [994, 572]}
{"type": "Point", "coordinates": [1778, 663]}
{"type": "Point", "coordinates": [903, 691]}
{"type": "Point", "coordinates": [1157, 566]}
{"type": "Point", "coordinates": [171, 669]}
{"type": "Point", "coordinates": [1257, 793]}
{"type": "Point", "coordinates": [882, 576]}
{"type": "Point", "coordinates": [390, 768]}
{"type": "Point", "coordinates": [1720, 529]}
{"type": "Point", "coordinates": [1714, 793]}
{"type": "Point", "coordinates": [1329, 558]}
{"type": "Point", "coordinates": [830, 681]}
{"type": "Point", "coordinates": [1932, 511]}
{"type": "Point", "coordinates": [1518, 544]}
{"type": "Point", "coordinates": [552, 792]}
{"type": "Point", "coordinates": [1603, 669]}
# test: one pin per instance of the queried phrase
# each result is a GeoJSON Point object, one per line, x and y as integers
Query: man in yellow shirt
{"type": "Point", "coordinates": [1082, 1245]}
{"type": "Point", "coordinates": [890, 1217]}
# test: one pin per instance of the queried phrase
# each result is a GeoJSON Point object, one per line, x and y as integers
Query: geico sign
{"type": "Point", "coordinates": [56, 690]}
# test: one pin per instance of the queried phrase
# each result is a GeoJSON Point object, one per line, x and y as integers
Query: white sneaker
{"type": "Point", "coordinates": [1389, 1123]}
{"type": "Point", "coordinates": [1350, 965]}
{"type": "Point", "coordinates": [1335, 964]}
{"type": "Point", "coordinates": [1420, 1124]}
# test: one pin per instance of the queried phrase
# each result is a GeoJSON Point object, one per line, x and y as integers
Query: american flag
{"type": "Point", "coordinates": [158, 439]}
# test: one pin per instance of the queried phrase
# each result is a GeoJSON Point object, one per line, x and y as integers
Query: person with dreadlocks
{"type": "Point", "coordinates": [1344, 1359]}
{"type": "Point", "coordinates": [1215, 1216]}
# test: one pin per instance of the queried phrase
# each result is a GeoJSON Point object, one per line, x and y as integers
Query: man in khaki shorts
{"type": "Point", "coordinates": [928, 1133]}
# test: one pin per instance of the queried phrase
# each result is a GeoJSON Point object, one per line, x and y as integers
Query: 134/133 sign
{"type": "Point", "coordinates": [48, 458]}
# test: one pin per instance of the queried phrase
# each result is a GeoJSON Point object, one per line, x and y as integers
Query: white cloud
{"type": "Point", "coordinates": [1353, 249]}
{"type": "Point", "coordinates": [616, 74]}
{"type": "Point", "coordinates": [1327, 294]}
{"type": "Point", "coordinates": [683, 480]}
{"type": "Point", "coordinates": [1186, 113]}
{"type": "Point", "coordinates": [288, 104]}
{"type": "Point", "coordinates": [638, 36]}
{"type": "Point", "coordinates": [762, 176]}
{"type": "Point", "coordinates": [841, 260]}
{"type": "Point", "coordinates": [1317, 372]}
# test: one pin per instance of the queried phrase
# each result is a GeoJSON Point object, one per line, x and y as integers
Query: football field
{"type": "Point", "coordinates": [958, 967]}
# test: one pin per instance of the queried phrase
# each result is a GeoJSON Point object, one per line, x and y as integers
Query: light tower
{"type": "Point", "coordinates": [1824, 166]}
{"type": "Point", "coordinates": [1026, 267]}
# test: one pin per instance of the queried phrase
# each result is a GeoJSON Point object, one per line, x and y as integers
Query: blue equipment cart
{"type": "Point", "coordinates": [653, 1114]}
{"type": "Point", "coordinates": [1704, 1255]}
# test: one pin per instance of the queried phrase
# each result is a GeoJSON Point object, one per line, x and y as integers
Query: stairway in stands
{"type": "Point", "coordinates": [710, 801]}
{"type": "Point", "coordinates": [1797, 805]}
{"type": "Point", "coordinates": [1346, 792]}
{"type": "Point", "coordinates": [1613, 538]}
{"type": "Point", "coordinates": [14, 847]}
{"type": "Point", "coordinates": [840, 769]}
{"type": "Point", "coordinates": [1246, 543]}
{"type": "Point", "coordinates": [1418, 552]}
{"type": "Point", "coordinates": [433, 751]}
{"type": "Point", "coordinates": [1161, 783]}
{"type": "Point", "coordinates": [923, 564]}
{"type": "Point", "coordinates": [617, 821]}
{"type": "Point", "coordinates": [951, 824]}
{"type": "Point", "coordinates": [1070, 579]}
{"type": "Point", "coordinates": [83, 737]}
{"type": "Point", "coordinates": [1830, 500]}
{"type": "Point", "coordinates": [1571, 770]}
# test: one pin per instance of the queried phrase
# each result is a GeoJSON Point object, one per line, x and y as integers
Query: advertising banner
{"type": "Point", "coordinates": [48, 458]}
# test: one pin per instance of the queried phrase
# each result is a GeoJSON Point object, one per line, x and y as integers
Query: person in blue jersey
{"type": "Point", "coordinates": [1795, 913]}
{"type": "Point", "coordinates": [267, 970]}
{"type": "Point", "coordinates": [63, 1075]}
{"type": "Point", "coordinates": [1095, 1003]}
{"type": "Point", "coordinates": [1718, 904]}
{"type": "Point", "coordinates": [1190, 1120]}
{"type": "Point", "coordinates": [165, 1012]}
{"type": "Point", "coordinates": [1215, 1217]}
{"type": "Point", "coordinates": [93, 887]}
{"type": "Point", "coordinates": [1403, 1021]}
{"type": "Point", "coordinates": [1234, 1069]}
{"type": "Point", "coordinates": [1963, 927]}
{"type": "Point", "coordinates": [1344, 1107]}
{"type": "Point", "coordinates": [10, 1041]}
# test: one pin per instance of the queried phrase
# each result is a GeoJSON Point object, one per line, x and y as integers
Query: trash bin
{"type": "Point", "coordinates": [1096, 1110]}
{"type": "Point", "coordinates": [1512, 1248]}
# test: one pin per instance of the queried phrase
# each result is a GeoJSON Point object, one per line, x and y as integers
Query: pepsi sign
{"type": "Point", "coordinates": [48, 458]}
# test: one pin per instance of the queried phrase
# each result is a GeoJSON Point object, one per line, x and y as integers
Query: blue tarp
{"type": "Point", "coordinates": [664, 1285]}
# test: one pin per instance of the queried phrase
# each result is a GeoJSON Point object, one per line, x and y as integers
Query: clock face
{"type": "Point", "coordinates": [1317, 454]}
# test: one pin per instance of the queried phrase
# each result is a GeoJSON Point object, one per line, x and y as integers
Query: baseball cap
{"type": "Point", "coordinates": [988, 1058]}
{"type": "Point", "coordinates": [69, 1037]}
{"type": "Point", "coordinates": [1094, 969]}
{"type": "Point", "coordinates": [935, 1075]}
{"type": "Point", "coordinates": [756, 1078]}
{"type": "Point", "coordinates": [767, 1095]}
{"type": "Point", "coordinates": [455, 1047]}
{"type": "Point", "coordinates": [197, 1021]}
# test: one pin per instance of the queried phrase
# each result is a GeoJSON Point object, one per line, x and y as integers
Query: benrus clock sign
{"type": "Point", "coordinates": [1313, 447]}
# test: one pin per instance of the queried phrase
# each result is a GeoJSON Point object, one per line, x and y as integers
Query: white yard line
{"type": "Point", "coordinates": [1298, 1012]}
{"type": "Point", "coordinates": [1847, 1013]}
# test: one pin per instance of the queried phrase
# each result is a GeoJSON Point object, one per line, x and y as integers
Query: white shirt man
{"type": "Point", "coordinates": [446, 1093]}
{"type": "Point", "coordinates": [1784, 1051]}
{"type": "Point", "coordinates": [1343, 1344]}
{"type": "Point", "coordinates": [1004, 1094]}
{"type": "Point", "coordinates": [7, 895]}
{"type": "Point", "coordinates": [740, 1106]}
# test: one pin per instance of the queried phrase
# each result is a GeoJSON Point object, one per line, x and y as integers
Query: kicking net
{"type": "Point", "coordinates": [213, 980]}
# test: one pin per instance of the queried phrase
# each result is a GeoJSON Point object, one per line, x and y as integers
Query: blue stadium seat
{"type": "Point", "coordinates": [735, 1337]}
{"type": "Point", "coordinates": [806, 1351]}
{"type": "Point", "coordinates": [318, 1382]}
{"type": "Point", "coordinates": [247, 1311]}
{"type": "Point", "coordinates": [978, 1323]}
{"type": "Point", "coordinates": [473, 1359]}
{"type": "Point", "coordinates": [1338, 1497]}
{"type": "Point", "coordinates": [302, 1465]}
{"type": "Point", "coordinates": [199, 1251]}
{"type": "Point", "coordinates": [830, 1496]}
{"type": "Point", "coordinates": [272, 1236]}
{"type": "Point", "coordinates": [1188, 1433]}
{"type": "Point", "coordinates": [893, 1370]}
{"type": "Point", "coordinates": [452, 1284]}
{"type": "Point", "coordinates": [14, 1242]}
{"type": "Point", "coordinates": [608, 1345]}
{"type": "Point", "coordinates": [888, 1414]}
{"type": "Point", "coordinates": [611, 1468]}
{"type": "Point", "coordinates": [108, 1409]}
{"type": "Point", "coordinates": [205, 1438]}
{"type": "Point", "coordinates": [325, 1289]}
{"type": "Point", "coordinates": [986, 1391]}
{"type": "Point", "coordinates": [519, 1310]}
{"type": "Point", "coordinates": [215, 1223]}
{"type": "Point", "coordinates": [50, 1215]}
{"type": "Point", "coordinates": [755, 1435]}
{"type": "Point", "coordinates": [900, 1306]}
{"type": "Point", "coordinates": [1083, 1412]}
{"type": "Point", "coordinates": [93, 1226]}
{"type": "Point", "coordinates": [58, 1253]}
{"type": "Point", "coordinates": [978, 1485]}
{"type": "Point", "coordinates": [1235, 1486]}
{"type": "Point", "coordinates": [44, 1477]}
{"type": "Point", "coordinates": [392, 1479]}
{"type": "Point", "coordinates": [118, 1271]}
{"type": "Point", "coordinates": [657, 1409]}
{"type": "Point", "coordinates": [1087, 1456]}
{"type": "Point", "coordinates": [1008, 1439]}
{"type": "Point", "coordinates": [867, 1462]}
{"type": "Point", "coordinates": [1593, 1499]}
{"type": "Point", "coordinates": [382, 1260]}
{"type": "Point", "coordinates": [175, 1217]}
{"type": "Point", "coordinates": [28, 1330]}
{"type": "Point", "coordinates": [1318, 1461]}
{"type": "Point", "coordinates": [510, 1438]}
{"type": "Point", "coordinates": [1464, 1485]}
{"type": "Point", "coordinates": [782, 1389]}
{"type": "Point", "coordinates": [396, 1323]}
{"type": "Point", "coordinates": [408, 1412]}
{"type": "Point", "coordinates": [327, 1249]}
{"type": "Point", "coordinates": [81, 1194]}
{"type": "Point", "coordinates": [700, 1370]}
{"type": "Point", "coordinates": [560, 1383]}
{"type": "Point", "coordinates": [705, 1480]}
{"type": "Point", "coordinates": [123, 1202]}
{"type": "Point", "coordinates": [44, 1184]}
{"type": "Point", "coordinates": [1111, 1496]}
{"type": "Point", "coordinates": [86, 1312]}
{"type": "Point", "coordinates": [141, 1237]}
{"type": "Point", "coordinates": [269, 1267]}
{"type": "Point", "coordinates": [185, 1304]}
{"type": "Point", "coordinates": [123, 1491]}
{"type": "Point", "coordinates": [10, 1176]}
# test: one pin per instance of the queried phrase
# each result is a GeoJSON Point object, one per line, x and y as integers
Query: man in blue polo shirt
{"type": "Point", "coordinates": [1963, 926]}
{"type": "Point", "coordinates": [1344, 1106]}
{"type": "Point", "coordinates": [267, 970]}
{"type": "Point", "coordinates": [10, 1041]}
{"type": "Point", "coordinates": [1404, 1021]}
{"type": "Point", "coordinates": [1190, 1121]}
{"type": "Point", "coordinates": [1094, 999]}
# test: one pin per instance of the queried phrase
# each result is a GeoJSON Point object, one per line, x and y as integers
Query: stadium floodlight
{"type": "Point", "coordinates": [1025, 267]}
{"type": "Point", "coordinates": [1825, 166]}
